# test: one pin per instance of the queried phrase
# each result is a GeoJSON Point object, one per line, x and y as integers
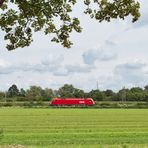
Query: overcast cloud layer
{"type": "Point", "coordinates": [113, 54]}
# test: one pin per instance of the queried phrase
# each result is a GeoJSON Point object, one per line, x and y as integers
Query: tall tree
{"type": "Point", "coordinates": [66, 91]}
{"type": "Point", "coordinates": [22, 92]}
{"type": "Point", "coordinates": [97, 95]}
{"type": "Point", "coordinates": [136, 89]}
{"type": "Point", "coordinates": [34, 93]}
{"type": "Point", "coordinates": [122, 95]}
{"type": "Point", "coordinates": [146, 88]}
{"type": "Point", "coordinates": [2, 95]}
{"type": "Point", "coordinates": [78, 93]}
{"type": "Point", "coordinates": [47, 94]}
{"type": "Point", "coordinates": [13, 91]}
{"type": "Point", "coordinates": [109, 95]}
{"type": "Point", "coordinates": [20, 18]}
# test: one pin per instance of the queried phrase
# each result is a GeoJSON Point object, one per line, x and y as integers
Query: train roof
{"type": "Point", "coordinates": [72, 98]}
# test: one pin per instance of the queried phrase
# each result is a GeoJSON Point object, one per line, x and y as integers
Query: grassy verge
{"type": "Point", "coordinates": [99, 104]}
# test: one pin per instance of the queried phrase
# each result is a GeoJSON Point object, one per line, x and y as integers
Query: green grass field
{"type": "Point", "coordinates": [76, 128]}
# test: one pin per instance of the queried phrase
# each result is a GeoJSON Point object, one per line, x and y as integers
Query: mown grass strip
{"type": "Point", "coordinates": [73, 127]}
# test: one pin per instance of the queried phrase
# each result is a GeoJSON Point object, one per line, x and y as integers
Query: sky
{"type": "Point", "coordinates": [113, 55]}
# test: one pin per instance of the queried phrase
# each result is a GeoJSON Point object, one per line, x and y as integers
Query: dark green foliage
{"type": "Point", "coordinates": [2, 95]}
{"type": "Point", "coordinates": [137, 90]}
{"type": "Point", "coordinates": [146, 88]}
{"type": "Point", "coordinates": [121, 95]}
{"type": "Point", "coordinates": [28, 16]}
{"type": "Point", "coordinates": [47, 94]}
{"type": "Point", "coordinates": [78, 93]}
{"type": "Point", "coordinates": [22, 92]}
{"type": "Point", "coordinates": [34, 93]}
{"type": "Point", "coordinates": [68, 91]}
{"type": "Point", "coordinates": [97, 95]}
{"type": "Point", "coordinates": [38, 94]}
{"type": "Point", "coordinates": [13, 91]}
{"type": "Point", "coordinates": [109, 95]}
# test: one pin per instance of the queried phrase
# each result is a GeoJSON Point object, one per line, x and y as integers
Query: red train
{"type": "Point", "coordinates": [72, 101]}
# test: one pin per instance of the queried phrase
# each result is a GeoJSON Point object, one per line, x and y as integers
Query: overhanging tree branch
{"type": "Point", "coordinates": [54, 17]}
{"type": "Point", "coordinates": [1, 2]}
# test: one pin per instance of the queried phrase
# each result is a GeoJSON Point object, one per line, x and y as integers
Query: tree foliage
{"type": "Point", "coordinates": [20, 18]}
{"type": "Point", "coordinates": [37, 93]}
{"type": "Point", "coordinates": [13, 91]}
{"type": "Point", "coordinates": [34, 93]}
{"type": "Point", "coordinates": [2, 95]}
{"type": "Point", "coordinates": [22, 92]}
{"type": "Point", "coordinates": [69, 91]}
{"type": "Point", "coordinates": [97, 95]}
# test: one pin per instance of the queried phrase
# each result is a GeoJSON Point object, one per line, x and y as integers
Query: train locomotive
{"type": "Point", "coordinates": [72, 101]}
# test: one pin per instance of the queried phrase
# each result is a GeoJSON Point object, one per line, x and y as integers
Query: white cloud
{"type": "Point", "coordinates": [133, 73]}
{"type": "Point", "coordinates": [93, 55]}
{"type": "Point", "coordinates": [61, 71]}
{"type": "Point", "coordinates": [130, 66]}
{"type": "Point", "coordinates": [127, 74]}
{"type": "Point", "coordinates": [110, 43]}
{"type": "Point", "coordinates": [53, 64]}
{"type": "Point", "coordinates": [79, 68]}
{"type": "Point", "coordinates": [49, 65]}
{"type": "Point", "coordinates": [3, 63]}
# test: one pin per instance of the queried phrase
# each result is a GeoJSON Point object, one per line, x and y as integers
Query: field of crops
{"type": "Point", "coordinates": [74, 128]}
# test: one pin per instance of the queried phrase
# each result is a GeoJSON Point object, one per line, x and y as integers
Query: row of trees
{"type": "Point", "coordinates": [36, 93]}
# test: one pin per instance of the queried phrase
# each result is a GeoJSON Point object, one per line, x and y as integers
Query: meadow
{"type": "Point", "coordinates": [74, 128]}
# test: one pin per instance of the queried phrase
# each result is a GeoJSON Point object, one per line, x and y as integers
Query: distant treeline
{"type": "Point", "coordinates": [36, 93]}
